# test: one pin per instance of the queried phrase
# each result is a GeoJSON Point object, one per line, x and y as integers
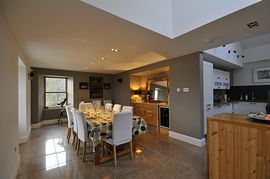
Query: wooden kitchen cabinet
{"type": "Point", "coordinates": [148, 111]}
{"type": "Point", "coordinates": [237, 147]}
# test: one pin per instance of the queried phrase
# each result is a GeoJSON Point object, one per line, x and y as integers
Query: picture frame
{"type": "Point", "coordinates": [96, 87]}
{"type": "Point", "coordinates": [261, 75]}
{"type": "Point", "coordinates": [83, 85]}
{"type": "Point", "coordinates": [107, 86]}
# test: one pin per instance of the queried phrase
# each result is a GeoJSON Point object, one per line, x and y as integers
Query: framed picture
{"type": "Point", "coordinates": [96, 87]}
{"type": "Point", "coordinates": [83, 85]}
{"type": "Point", "coordinates": [261, 75]}
{"type": "Point", "coordinates": [107, 86]}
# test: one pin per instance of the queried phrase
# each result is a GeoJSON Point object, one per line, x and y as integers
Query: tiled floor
{"type": "Point", "coordinates": [48, 155]}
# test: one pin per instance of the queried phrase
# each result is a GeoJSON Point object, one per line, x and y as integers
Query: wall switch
{"type": "Point", "coordinates": [178, 90]}
{"type": "Point", "coordinates": [185, 90]}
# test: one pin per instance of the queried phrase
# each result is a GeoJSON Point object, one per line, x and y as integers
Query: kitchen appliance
{"type": "Point", "coordinates": [164, 116]}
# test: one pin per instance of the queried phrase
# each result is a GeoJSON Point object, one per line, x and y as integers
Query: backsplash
{"type": "Point", "coordinates": [219, 95]}
{"type": "Point", "coordinates": [260, 92]}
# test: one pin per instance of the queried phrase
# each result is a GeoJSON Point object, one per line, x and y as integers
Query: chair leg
{"type": "Point", "coordinates": [75, 141]}
{"type": "Point", "coordinates": [131, 149]}
{"type": "Point", "coordinates": [68, 134]}
{"type": "Point", "coordinates": [74, 137]}
{"type": "Point", "coordinates": [79, 142]}
{"type": "Point", "coordinates": [114, 154]}
{"type": "Point", "coordinates": [84, 150]}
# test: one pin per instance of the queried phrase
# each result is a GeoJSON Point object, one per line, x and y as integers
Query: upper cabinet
{"type": "Point", "coordinates": [221, 79]}
{"type": "Point", "coordinates": [230, 55]}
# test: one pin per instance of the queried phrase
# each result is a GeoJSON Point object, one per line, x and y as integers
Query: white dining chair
{"type": "Point", "coordinates": [82, 132]}
{"type": "Point", "coordinates": [108, 107]}
{"type": "Point", "coordinates": [121, 132]}
{"type": "Point", "coordinates": [107, 101]}
{"type": "Point", "coordinates": [88, 106]}
{"type": "Point", "coordinates": [96, 103]}
{"type": "Point", "coordinates": [70, 121]}
{"type": "Point", "coordinates": [81, 105]}
{"type": "Point", "coordinates": [75, 129]}
{"type": "Point", "coordinates": [117, 108]}
{"type": "Point", "coordinates": [127, 108]}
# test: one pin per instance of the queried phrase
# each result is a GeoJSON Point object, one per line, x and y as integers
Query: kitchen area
{"type": "Point", "coordinates": [236, 111]}
{"type": "Point", "coordinates": [149, 96]}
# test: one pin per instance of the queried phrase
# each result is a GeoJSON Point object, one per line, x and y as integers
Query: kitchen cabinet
{"type": "Point", "coordinates": [207, 91]}
{"type": "Point", "coordinates": [225, 108]}
{"type": "Point", "coordinates": [248, 107]}
{"type": "Point", "coordinates": [148, 111]}
{"type": "Point", "coordinates": [221, 79]}
{"type": "Point", "coordinates": [237, 147]}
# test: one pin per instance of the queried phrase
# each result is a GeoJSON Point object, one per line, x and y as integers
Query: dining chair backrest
{"type": "Point", "coordinates": [122, 128]}
{"type": "Point", "coordinates": [117, 108]}
{"type": "Point", "coordinates": [81, 105]}
{"type": "Point", "coordinates": [108, 106]}
{"type": "Point", "coordinates": [75, 121]}
{"type": "Point", "coordinates": [107, 101]}
{"type": "Point", "coordinates": [69, 116]}
{"type": "Point", "coordinates": [127, 108]}
{"type": "Point", "coordinates": [88, 106]}
{"type": "Point", "coordinates": [96, 103]}
{"type": "Point", "coordinates": [82, 126]}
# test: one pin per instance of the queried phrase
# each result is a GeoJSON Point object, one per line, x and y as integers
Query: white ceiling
{"type": "Point", "coordinates": [69, 34]}
{"type": "Point", "coordinates": [171, 18]}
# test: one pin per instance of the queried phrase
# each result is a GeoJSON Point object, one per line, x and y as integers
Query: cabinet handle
{"type": "Point", "coordinates": [218, 77]}
{"type": "Point", "coordinates": [208, 109]}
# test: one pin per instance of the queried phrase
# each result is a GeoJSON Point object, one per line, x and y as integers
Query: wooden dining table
{"type": "Point", "coordinates": [100, 127]}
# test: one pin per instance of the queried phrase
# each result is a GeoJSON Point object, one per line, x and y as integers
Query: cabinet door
{"type": "Point", "coordinates": [226, 79]}
{"type": "Point", "coordinates": [217, 79]}
{"type": "Point", "coordinates": [207, 91]}
{"type": "Point", "coordinates": [246, 108]}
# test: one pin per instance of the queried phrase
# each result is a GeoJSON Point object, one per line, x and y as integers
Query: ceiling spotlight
{"type": "Point", "coordinates": [93, 63]}
{"type": "Point", "coordinates": [114, 50]}
{"type": "Point", "coordinates": [100, 58]}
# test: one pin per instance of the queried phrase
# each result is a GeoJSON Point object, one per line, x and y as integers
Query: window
{"type": "Point", "coordinates": [55, 91]}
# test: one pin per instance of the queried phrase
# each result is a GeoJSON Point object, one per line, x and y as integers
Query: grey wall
{"type": "Point", "coordinates": [9, 52]}
{"type": "Point", "coordinates": [244, 76]}
{"type": "Point", "coordinates": [37, 87]}
{"type": "Point", "coordinates": [185, 108]}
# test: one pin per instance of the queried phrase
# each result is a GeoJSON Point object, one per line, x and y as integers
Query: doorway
{"type": "Point", "coordinates": [22, 103]}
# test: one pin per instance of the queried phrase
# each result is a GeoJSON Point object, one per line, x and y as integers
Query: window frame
{"type": "Point", "coordinates": [66, 91]}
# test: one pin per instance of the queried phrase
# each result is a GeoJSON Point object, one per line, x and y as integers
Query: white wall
{"type": "Point", "coordinates": [9, 52]}
{"type": "Point", "coordinates": [244, 76]}
{"type": "Point", "coordinates": [257, 53]}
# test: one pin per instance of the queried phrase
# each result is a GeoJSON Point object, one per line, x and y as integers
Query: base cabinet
{"type": "Point", "coordinates": [147, 111]}
{"type": "Point", "coordinates": [238, 151]}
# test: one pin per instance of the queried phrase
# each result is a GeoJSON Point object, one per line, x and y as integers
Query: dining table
{"type": "Point", "coordinates": [100, 123]}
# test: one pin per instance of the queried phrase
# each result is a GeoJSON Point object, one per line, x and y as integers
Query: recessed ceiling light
{"type": "Point", "coordinates": [93, 63]}
{"type": "Point", "coordinates": [100, 58]}
{"type": "Point", "coordinates": [114, 50]}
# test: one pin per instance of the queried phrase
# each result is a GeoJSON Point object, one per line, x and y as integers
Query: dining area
{"type": "Point", "coordinates": [108, 131]}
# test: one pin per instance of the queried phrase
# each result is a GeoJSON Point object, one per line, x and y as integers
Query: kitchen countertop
{"type": "Point", "coordinates": [158, 104]}
{"type": "Point", "coordinates": [237, 119]}
{"type": "Point", "coordinates": [237, 101]}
